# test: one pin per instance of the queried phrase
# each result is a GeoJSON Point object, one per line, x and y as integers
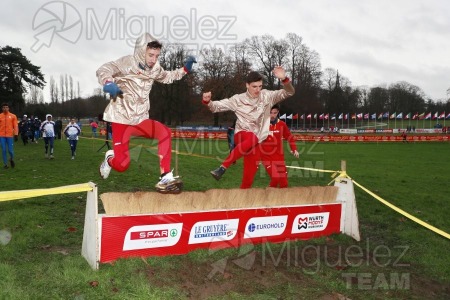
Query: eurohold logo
{"type": "Point", "coordinates": [265, 226]}
{"type": "Point", "coordinates": [310, 222]}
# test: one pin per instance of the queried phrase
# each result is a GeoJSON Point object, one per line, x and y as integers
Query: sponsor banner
{"type": "Point", "coordinates": [310, 222]}
{"type": "Point", "coordinates": [152, 236]}
{"type": "Point", "coordinates": [329, 137]}
{"type": "Point", "coordinates": [265, 226]}
{"type": "Point", "coordinates": [348, 131]}
{"type": "Point", "coordinates": [213, 231]}
{"type": "Point", "coordinates": [180, 233]}
{"type": "Point", "coordinates": [384, 130]}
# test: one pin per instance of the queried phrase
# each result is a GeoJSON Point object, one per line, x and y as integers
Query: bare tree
{"type": "Point", "coordinates": [71, 87]}
{"type": "Point", "coordinates": [78, 89]}
{"type": "Point", "coordinates": [53, 92]}
{"type": "Point", "coordinates": [34, 94]}
{"type": "Point", "coordinates": [268, 53]}
{"type": "Point", "coordinates": [66, 87]}
{"type": "Point", "coordinates": [222, 75]}
{"type": "Point", "coordinates": [61, 86]}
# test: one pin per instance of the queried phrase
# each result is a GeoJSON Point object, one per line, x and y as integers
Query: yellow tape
{"type": "Point", "coordinates": [343, 174]}
{"type": "Point", "coordinates": [404, 213]}
{"type": "Point", "coordinates": [22, 194]}
{"type": "Point", "coordinates": [311, 169]}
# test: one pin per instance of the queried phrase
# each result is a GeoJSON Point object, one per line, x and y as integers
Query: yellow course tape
{"type": "Point", "coordinates": [22, 194]}
{"type": "Point", "coordinates": [404, 213]}
{"type": "Point", "coordinates": [343, 174]}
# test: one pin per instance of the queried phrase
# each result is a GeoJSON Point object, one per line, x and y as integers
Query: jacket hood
{"type": "Point", "coordinates": [141, 47]}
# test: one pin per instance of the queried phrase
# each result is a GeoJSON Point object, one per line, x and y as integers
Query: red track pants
{"type": "Point", "coordinates": [150, 129]}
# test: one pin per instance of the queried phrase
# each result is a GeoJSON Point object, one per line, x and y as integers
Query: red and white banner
{"type": "Point", "coordinates": [323, 138]}
{"type": "Point", "coordinates": [180, 233]}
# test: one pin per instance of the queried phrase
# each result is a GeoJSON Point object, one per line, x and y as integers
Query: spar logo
{"type": "Point", "coordinates": [265, 226]}
{"type": "Point", "coordinates": [310, 222]}
{"type": "Point", "coordinates": [213, 231]}
{"type": "Point", "coordinates": [152, 236]}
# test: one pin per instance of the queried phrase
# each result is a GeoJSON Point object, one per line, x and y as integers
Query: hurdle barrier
{"type": "Point", "coordinates": [147, 224]}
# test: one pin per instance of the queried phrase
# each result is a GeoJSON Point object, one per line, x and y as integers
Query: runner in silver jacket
{"type": "Point", "coordinates": [129, 81]}
{"type": "Point", "coordinates": [252, 110]}
{"type": "Point", "coordinates": [135, 79]}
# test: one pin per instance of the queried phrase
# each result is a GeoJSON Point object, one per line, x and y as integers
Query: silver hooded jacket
{"type": "Point", "coordinates": [253, 114]}
{"type": "Point", "coordinates": [135, 79]}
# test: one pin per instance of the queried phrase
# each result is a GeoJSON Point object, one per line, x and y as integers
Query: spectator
{"type": "Point", "coordinates": [404, 137]}
{"type": "Point", "coordinates": [25, 129]}
{"type": "Point", "coordinates": [58, 129]}
{"type": "Point", "coordinates": [230, 135]}
{"type": "Point", "coordinates": [9, 130]}
{"type": "Point", "coordinates": [72, 131]}
{"type": "Point", "coordinates": [80, 125]}
{"type": "Point", "coordinates": [36, 128]}
{"type": "Point", "coordinates": [48, 133]}
{"type": "Point", "coordinates": [94, 127]}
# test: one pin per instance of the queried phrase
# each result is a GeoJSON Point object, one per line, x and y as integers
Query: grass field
{"type": "Point", "coordinates": [399, 258]}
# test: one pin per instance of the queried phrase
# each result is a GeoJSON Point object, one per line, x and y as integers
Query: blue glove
{"type": "Point", "coordinates": [190, 60]}
{"type": "Point", "coordinates": [112, 89]}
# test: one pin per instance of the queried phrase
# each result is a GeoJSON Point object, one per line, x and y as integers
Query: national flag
{"type": "Point", "coordinates": [380, 116]}
{"type": "Point", "coordinates": [341, 116]}
{"type": "Point", "coordinates": [442, 116]}
{"type": "Point", "coordinates": [295, 117]}
{"type": "Point", "coordinates": [416, 116]}
{"type": "Point", "coordinates": [428, 116]}
{"type": "Point", "coordinates": [333, 117]}
{"type": "Point", "coordinates": [289, 117]}
{"type": "Point", "coordinates": [327, 116]}
{"type": "Point", "coordinates": [448, 116]}
{"type": "Point", "coordinates": [366, 116]}
{"type": "Point", "coordinates": [373, 116]}
{"type": "Point", "coordinates": [321, 117]}
{"type": "Point", "coordinates": [386, 115]}
{"type": "Point", "coordinates": [283, 116]}
{"type": "Point", "coordinates": [308, 116]}
{"type": "Point", "coordinates": [400, 116]}
{"type": "Point", "coordinates": [315, 116]}
{"type": "Point", "coordinates": [302, 116]}
{"type": "Point", "coordinates": [346, 116]}
{"type": "Point", "coordinates": [392, 116]}
{"type": "Point", "coordinates": [435, 116]}
{"type": "Point", "coordinates": [421, 116]}
{"type": "Point", "coordinates": [359, 116]}
{"type": "Point", "coordinates": [353, 116]}
{"type": "Point", "coordinates": [408, 116]}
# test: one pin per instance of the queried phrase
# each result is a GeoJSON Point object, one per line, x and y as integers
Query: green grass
{"type": "Point", "coordinates": [43, 261]}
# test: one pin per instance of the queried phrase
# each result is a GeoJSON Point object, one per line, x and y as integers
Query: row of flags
{"type": "Point", "coordinates": [367, 116]}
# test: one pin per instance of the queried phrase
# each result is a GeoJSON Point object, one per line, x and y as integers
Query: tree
{"type": "Point", "coordinates": [405, 97]}
{"type": "Point", "coordinates": [53, 90]}
{"type": "Point", "coordinates": [169, 102]}
{"type": "Point", "coordinates": [17, 73]}
{"type": "Point", "coordinates": [71, 87]}
{"type": "Point", "coordinates": [61, 87]}
{"type": "Point", "coordinates": [223, 75]}
{"type": "Point", "coordinates": [268, 53]}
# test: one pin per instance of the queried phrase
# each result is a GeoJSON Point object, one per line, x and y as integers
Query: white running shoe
{"type": "Point", "coordinates": [169, 184]}
{"type": "Point", "coordinates": [105, 168]}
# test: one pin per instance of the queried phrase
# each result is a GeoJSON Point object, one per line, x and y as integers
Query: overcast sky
{"type": "Point", "coordinates": [371, 42]}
